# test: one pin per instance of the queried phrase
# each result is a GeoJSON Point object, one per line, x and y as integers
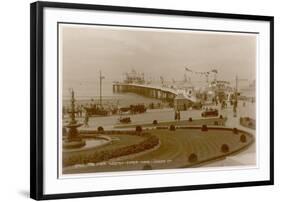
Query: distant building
{"type": "Point", "coordinates": [220, 90]}
{"type": "Point", "coordinates": [252, 85]}
{"type": "Point", "coordinates": [181, 103]}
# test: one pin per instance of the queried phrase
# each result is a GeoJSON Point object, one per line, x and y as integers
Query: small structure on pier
{"type": "Point", "coordinates": [134, 77]}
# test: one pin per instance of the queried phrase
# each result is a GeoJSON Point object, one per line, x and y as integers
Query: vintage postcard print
{"type": "Point", "coordinates": [137, 98]}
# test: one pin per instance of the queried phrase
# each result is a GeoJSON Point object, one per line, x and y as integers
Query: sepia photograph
{"type": "Point", "coordinates": [145, 98]}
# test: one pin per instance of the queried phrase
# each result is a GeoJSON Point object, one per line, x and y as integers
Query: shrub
{"type": "Point", "coordinates": [147, 167]}
{"type": "Point", "coordinates": [224, 148]}
{"type": "Point", "coordinates": [105, 155]}
{"type": "Point", "coordinates": [243, 138]}
{"type": "Point", "coordinates": [64, 131]}
{"type": "Point", "coordinates": [138, 129]}
{"type": "Point", "coordinates": [100, 129]}
{"type": "Point", "coordinates": [155, 122]}
{"type": "Point", "coordinates": [172, 127]}
{"type": "Point", "coordinates": [161, 127]}
{"type": "Point", "coordinates": [235, 130]}
{"type": "Point", "coordinates": [190, 119]}
{"type": "Point", "coordinates": [204, 128]}
{"type": "Point", "coordinates": [192, 158]}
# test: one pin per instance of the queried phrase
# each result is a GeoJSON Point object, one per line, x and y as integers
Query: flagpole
{"type": "Point", "coordinates": [100, 90]}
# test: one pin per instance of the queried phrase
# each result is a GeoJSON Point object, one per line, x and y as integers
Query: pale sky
{"type": "Point", "coordinates": [156, 52]}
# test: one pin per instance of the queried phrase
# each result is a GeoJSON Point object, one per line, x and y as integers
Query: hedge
{"type": "Point", "coordinates": [105, 155]}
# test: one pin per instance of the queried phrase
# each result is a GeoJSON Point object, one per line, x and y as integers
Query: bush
{"type": "Point", "coordinates": [100, 129]}
{"type": "Point", "coordinates": [105, 155]}
{"type": "Point", "coordinates": [172, 127]}
{"type": "Point", "coordinates": [190, 119]}
{"type": "Point", "coordinates": [138, 129]}
{"type": "Point", "coordinates": [204, 128]}
{"type": "Point", "coordinates": [155, 122]}
{"type": "Point", "coordinates": [64, 131]}
{"type": "Point", "coordinates": [161, 127]}
{"type": "Point", "coordinates": [235, 130]}
{"type": "Point", "coordinates": [192, 158]}
{"type": "Point", "coordinates": [243, 138]}
{"type": "Point", "coordinates": [147, 167]}
{"type": "Point", "coordinates": [224, 148]}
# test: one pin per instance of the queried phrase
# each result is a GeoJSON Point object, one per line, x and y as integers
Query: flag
{"type": "Point", "coordinates": [214, 71]}
{"type": "Point", "coordinates": [186, 69]}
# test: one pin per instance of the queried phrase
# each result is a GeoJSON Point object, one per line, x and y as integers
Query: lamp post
{"type": "Point", "coordinates": [101, 78]}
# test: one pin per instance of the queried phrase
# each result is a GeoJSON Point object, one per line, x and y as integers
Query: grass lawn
{"type": "Point", "coordinates": [178, 145]}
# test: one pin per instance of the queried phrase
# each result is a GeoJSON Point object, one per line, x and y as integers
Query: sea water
{"type": "Point", "coordinates": [89, 92]}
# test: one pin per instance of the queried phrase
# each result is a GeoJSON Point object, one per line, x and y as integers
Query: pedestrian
{"type": "Point", "coordinates": [179, 115]}
{"type": "Point", "coordinates": [81, 110]}
{"type": "Point", "coordinates": [63, 111]}
{"type": "Point", "coordinates": [86, 120]}
{"type": "Point", "coordinates": [235, 110]}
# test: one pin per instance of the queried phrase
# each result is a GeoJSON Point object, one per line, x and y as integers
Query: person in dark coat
{"type": "Point", "coordinates": [86, 120]}
{"type": "Point", "coordinates": [179, 115]}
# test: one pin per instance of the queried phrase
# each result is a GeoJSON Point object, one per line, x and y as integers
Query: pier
{"type": "Point", "coordinates": [151, 91]}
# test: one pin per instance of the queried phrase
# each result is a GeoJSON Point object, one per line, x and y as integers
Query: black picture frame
{"type": "Point", "coordinates": [36, 97]}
